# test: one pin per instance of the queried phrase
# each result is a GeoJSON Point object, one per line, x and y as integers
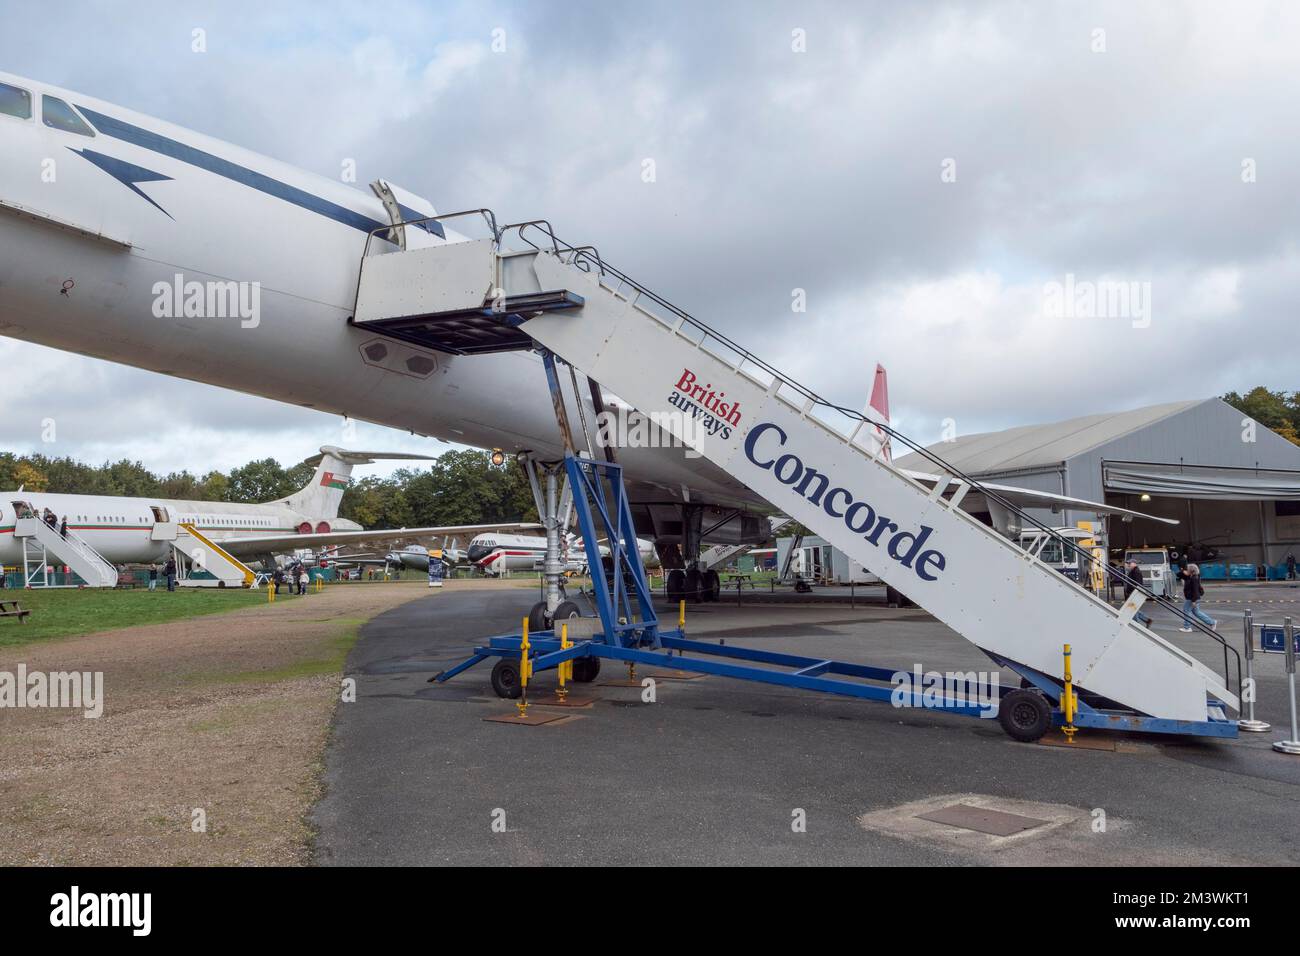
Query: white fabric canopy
{"type": "Point", "coordinates": [1198, 481]}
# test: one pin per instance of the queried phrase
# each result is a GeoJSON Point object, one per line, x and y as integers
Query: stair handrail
{"type": "Point", "coordinates": [487, 215]}
{"type": "Point", "coordinates": [80, 546]}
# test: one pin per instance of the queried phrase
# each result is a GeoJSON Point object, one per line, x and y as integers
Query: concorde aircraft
{"type": "Point", "coordinates": [137, 241]}
{"type": "Point", "coordinates": [125, 530]}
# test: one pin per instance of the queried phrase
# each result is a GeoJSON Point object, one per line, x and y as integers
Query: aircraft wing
{"type": "Point", "coordinates": [1031, 498]}
{"type": "Point", "coordinates": [253, 545]}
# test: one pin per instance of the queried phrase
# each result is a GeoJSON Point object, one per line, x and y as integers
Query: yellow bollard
{"type": "Point", "coordinates": [681, 614]}
{"type": "Point", "coordinates": [562, 692]}
{"type": "Point", "coordinates": [1067, 700]}
{"type": "Point", "coordinates": [525, 666]}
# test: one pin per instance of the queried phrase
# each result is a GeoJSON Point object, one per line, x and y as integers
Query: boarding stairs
{"type": "Point", "coordinates": [814, 461]}
{"type": "Point", "coordinates": [44, 546]}
{"type": "Point", "coordinates": [196, 553]}
{"type": "Point", "coordinates": [720, 554]}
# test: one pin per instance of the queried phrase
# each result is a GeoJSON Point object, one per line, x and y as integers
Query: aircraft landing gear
{"type": "Point", "coordinates": [693, 585]}
{"type": "Point", "coordinates": [554, 500]}
{"type": "Point", "coordinates": [676, 585]}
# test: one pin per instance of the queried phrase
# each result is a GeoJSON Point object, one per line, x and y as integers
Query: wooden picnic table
{"type": "Point", "coordinates": [13, 609]}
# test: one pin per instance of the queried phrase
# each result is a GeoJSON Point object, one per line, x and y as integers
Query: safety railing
{"type": "Point", "coordinates": [540, 235]}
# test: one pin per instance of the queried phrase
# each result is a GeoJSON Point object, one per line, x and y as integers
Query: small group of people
{"type": "Point", "coordinates": [168, 573]}
{"type": "Point", "coordinates": [296, 576]}
{"type": "Point", "coordinates": [1193, 593]}
{"type": "Point", "coordinates": [51, 519]}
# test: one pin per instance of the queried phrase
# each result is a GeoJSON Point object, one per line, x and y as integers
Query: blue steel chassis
{"type": "Point", "coordinates": [631, 633]}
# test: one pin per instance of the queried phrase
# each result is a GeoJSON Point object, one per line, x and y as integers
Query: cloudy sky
{"type": "Point", "coordinates": [934, 177]}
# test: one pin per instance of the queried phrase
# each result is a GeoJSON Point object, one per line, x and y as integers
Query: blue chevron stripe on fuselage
{"type": "Point", "coordinates": [200, 159]}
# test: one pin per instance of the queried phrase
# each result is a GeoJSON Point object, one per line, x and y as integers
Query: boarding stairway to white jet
{"type": "Point", "coordinates": [44, 546]}
{"type": "Point", "coordinates": [809, 458]}
{"type": "Point", "coordinates": [196, 553]}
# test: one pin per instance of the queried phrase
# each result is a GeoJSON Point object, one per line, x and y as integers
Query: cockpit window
{"type": "Point", "coordinates": [15, 102]}
{"type": "Point", "coordinates": [59, 115]}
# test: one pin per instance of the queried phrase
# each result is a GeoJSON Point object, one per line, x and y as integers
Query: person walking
{"type": "Point", "coordinates": [63, 528]}
{"type": "Point", "coordinates": [302, 579]}
{"type": "Point", "coordinates": [1133, 579]}
{"type": "Point", "coordinates": [1290, 566]}
{"type": "Point", "coordinates": [1193, 591]}
{"type": "Point", "coordinates": [153, 576]}
{"type": "Point", "coordinates": [278, 578]}
{"type": "Point", "coordinates": [169, 572]}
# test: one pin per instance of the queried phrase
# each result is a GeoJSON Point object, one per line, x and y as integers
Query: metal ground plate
{"type": "Point", "coordinates": [534, 719]}
{"type": "Point", "coordinates": [982, 820]}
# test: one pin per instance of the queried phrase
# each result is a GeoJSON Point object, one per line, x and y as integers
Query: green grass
{"type": "Point", "coordinates": [60, 613]}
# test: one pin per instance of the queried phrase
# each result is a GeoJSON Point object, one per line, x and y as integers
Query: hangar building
{"type": "Point", "coordinates": [1233, 484]}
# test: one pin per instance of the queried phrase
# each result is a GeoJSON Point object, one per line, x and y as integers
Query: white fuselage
{"type": "Point", "coordinates": [122, 530]}
{"type": "Point", "coordinates": [95, 231]}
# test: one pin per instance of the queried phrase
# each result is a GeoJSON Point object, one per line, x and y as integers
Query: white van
{"type": "Point", "coordinates": [1157, 573]}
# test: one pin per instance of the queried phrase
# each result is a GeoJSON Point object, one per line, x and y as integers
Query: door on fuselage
{"type": "Point", "coordinates": [164, 528]}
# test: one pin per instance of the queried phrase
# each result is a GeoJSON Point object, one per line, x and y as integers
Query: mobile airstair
{"type": "Point", "coordinates": [720, 554]}
{"type": "Point", "coordinates": [44, 546]}
{"type": "Point", "coordinates": [523, 288]}
{"type": "Point", "coordinates": [201, 562]}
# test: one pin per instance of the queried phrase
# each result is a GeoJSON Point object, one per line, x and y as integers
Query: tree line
{"type": "Point", "coordinates": [459, 487]}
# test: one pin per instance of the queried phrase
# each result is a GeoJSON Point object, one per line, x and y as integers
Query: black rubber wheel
{"type": "Point", "coordinates": [585, 669]}
{"type": "Point", "coordinates": [1025, 715]}
{"type": "Point", "coordinates": [537, 617]}
{"type": "Point", "coordinates": [676, 585]}
{"type": "Point", "coordinates": [505, 679]}
{"type": "Point", "coordinates": [566, 611]}
{"type": "Point", "coordinates": [694, 585]}
{"type": "Point", "coordinates": [712, 586]}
